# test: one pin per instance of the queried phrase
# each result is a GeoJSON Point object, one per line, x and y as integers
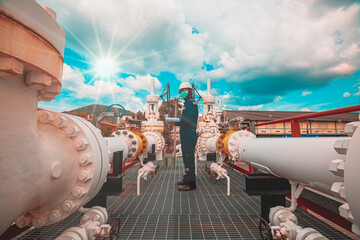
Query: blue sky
{"type": "Point", "coordinates": [260, 55]}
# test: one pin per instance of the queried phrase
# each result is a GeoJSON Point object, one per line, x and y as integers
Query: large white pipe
{"type": "Point", "coordinates": [50, 163]}
{"type": "Point", "coordinates": [304, 160]}
{"type": "Point", "coordinates": [211, 144]}
{"type": "Point", "coordinates": [117, 144]}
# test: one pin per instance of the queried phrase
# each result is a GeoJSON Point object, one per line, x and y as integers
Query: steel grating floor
{"type": "Point", "coordinates": [162, 212]}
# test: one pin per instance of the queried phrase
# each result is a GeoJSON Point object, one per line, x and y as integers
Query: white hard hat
{"type": "Point", "coordinates": [184, 85]}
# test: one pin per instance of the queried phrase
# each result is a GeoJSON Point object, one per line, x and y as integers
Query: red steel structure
{"type": "Point", "coordinates": [295, 127]}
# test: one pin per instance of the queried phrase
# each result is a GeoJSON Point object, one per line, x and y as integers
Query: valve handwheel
{"type": "Point", "coordinates": [124, 111]}
{"type": "Point", "coordinates": [265, 230]}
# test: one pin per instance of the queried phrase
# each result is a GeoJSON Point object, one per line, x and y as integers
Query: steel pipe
{"type": "Point", "coordinates": [304, 160]}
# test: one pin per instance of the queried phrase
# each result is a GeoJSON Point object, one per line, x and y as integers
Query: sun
{"type": "Point", "coordinates": [105, 67]}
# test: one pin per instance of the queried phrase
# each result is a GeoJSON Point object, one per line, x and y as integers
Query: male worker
{"type": "Point", "coordinates": [188, 137]}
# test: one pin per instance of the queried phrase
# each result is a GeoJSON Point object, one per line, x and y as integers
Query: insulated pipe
{"type": "Point", "coordinates": [304, 160]}
{"type": "Point", "coordinates": [115, 145]}
{"type": "Point", "coordinates": [211, 144]}
{"type": "Point", "coordinates": [151, 141]}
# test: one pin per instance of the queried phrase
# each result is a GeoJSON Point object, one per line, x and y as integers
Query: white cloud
{"type": "Point", "coordinates": [358, 93]}
{"type": "Point", "coordinates": [72, 78]}
{"type": "Point", "coordinates": [101, 89]}
{"type": "Point", "coordinates": [289, 41]}
{"type": "Point", "coordinates": [140, 82]}
{"type": "Point", "coordinates": [278, 98]}
{"type": "Point", "coordinates": [145, 36]}
{"type": "Point", "coordinates": [305, 110]}
{"type": "Point", "coordinates": [74, 81]}
{"type": "Point", "coordinates": [304, 93]}
{"type": "Point", "coordinates": [257, 107]}
{"type": "Point", "coordinates": [106, 91]}
{"type": "Point", "coordinates": [293, 44]}
{"type": "Point", "coordinates": [346, 94]}
{"type": "Point", "coordinates": [245, 39]}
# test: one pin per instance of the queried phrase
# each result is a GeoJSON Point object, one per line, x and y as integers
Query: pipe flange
{"type": "Point", "coordinates": [132, 141]}
{"type": "Point", "coordinates": [72, 132]}
{"type": "Point", "coordinates": [143, 144]}
{"type": "Point", "coordinates": [159, 140]}
{"type": "Point", "coordinates": [203, 141]}
{"type": "Point", "coordinates": [234, 142]}
{"type": "Point", "coordinates": [351, 172]}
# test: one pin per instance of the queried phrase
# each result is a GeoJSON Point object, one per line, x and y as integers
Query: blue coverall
{"type": "Point", "coordinates": [188, 138]}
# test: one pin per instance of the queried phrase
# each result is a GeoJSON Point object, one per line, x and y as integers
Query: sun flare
{"type": "Point", "coordinates": [105, 67]}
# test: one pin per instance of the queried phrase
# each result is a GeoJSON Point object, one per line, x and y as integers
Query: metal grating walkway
{"type": "Point", "coordinates": [162, 212]}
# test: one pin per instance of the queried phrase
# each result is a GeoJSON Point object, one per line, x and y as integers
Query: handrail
{"type": "Point", "coordinates": [295, 127]}
{"type": "Point", "coordinates": [314, 115]}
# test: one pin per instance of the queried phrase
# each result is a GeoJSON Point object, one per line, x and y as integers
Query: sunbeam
{"type": "Point", "coordinates": [133, 39]}
{"type": "Point", "coordinates": [96, 35]}
{"type": "Point", "coordinates": [79, 41]}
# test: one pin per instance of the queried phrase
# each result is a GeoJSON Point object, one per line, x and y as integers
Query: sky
{"type": "Point", "coordinates": [282, 55]}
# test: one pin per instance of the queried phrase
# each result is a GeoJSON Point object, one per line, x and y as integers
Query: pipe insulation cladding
{"type": "Point", "coordinates": [304, 160]}
{"type": "Point", "coordinates": [327, 164]}
{"type": "Point", "coordinates": [115, 145]}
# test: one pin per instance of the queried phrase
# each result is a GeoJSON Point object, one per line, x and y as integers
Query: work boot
{"type": "Point", "coordinates": [185, 188]}
{"type": "Point", "coordinates": [181, 182]}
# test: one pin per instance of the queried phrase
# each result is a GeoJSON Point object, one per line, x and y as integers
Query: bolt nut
{"type": "Point", "coordinates": [133, 142]}
{"type": "Point", "coordinates": [67, 206]}
{"type": "Point", "coordinates": [54, 216]}
{"type": "Point", "coordinates": [38, 222]}
{"type": "Point", "coordinates": [81, 144]}
{"type": "Point", "coordinates": [337, 167]}
{"type": "Point", "coordinates": [84, 176]}
{"type": "Point", "coordinates": [131, 136]}
{"type": "Point", "coordinates": [351, 127]}
{"type": "Point", "coordinates": [60, 122]}
{"type": "Point", "coordinates": [338, 189]}
{"type": "Point", "coordinates": [341, 146]}
{"type": "Point", "coordinates": [117, 132]}
{"type": "Point", "coordinates": [77, 192]}
{"type": "Point", "coordinates": [23, 221]}
{"type": "Point", "coordinates": [124, 132]}
{"type": "Point", "coordinates": [46, 117]}
{"type": "Point", "coordinates": [72, 131]}
{"type": "Point", "coordinates": [85, 159]}
{"type": "Point", "coordinates": [344, 211]}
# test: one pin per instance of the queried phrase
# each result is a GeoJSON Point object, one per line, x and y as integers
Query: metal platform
{"type": "Point", "coordinates": [162, 212]}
